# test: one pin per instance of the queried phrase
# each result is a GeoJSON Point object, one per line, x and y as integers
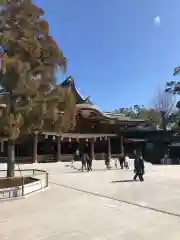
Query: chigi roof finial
{"type": "Point", "coordinates": [70, 79]}
{"type": "Point", "coordinates": [87, 100]}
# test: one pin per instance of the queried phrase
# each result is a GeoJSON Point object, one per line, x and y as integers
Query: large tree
{"type": "Point", "coordinates": [28, 86]}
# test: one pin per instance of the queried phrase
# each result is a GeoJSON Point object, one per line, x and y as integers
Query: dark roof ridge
{"type": "Point", "coordinates": [69, 81]}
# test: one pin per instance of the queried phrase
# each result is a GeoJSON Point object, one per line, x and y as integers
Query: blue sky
{"type": "Point", "coordinates": [116, 53]}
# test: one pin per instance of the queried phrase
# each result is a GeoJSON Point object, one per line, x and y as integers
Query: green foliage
{"type": "Point", "coordinates": [140, 112]}
{"type": "Point", "coordinates": [152, 116]}
{"type": "Point", "coordinates": [173, 87]}
{"type": "Point", "coordinates": [34, 102]}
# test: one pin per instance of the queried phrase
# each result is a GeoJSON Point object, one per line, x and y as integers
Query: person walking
{"type": "Point", "coordinates": [116, 162]}
{"type": "Point", "coordinates": [107, 161]}
{"type": "Point", "coordinates": [139, 167]}
{"type": "Point", "coordinates": [89, 163]}
{"type": "Point", "coordinates": [121, 160]}
{"type": "Point", "coordinates": [83, 162]}
{"type": "Point", "coordinates": [126, 162]}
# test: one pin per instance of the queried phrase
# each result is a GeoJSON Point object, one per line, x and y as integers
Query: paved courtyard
{"type": "Point", "coordinates": [97, 205]}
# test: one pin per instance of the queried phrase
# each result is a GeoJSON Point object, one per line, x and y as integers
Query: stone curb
{"type": "Point", "coordinates": [23, 197]}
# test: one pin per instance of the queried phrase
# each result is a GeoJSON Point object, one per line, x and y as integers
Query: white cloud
{"type": "Point", "coordinates": [157, 21]}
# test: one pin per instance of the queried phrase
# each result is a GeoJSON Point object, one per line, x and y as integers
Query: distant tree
{"type": "Point", "coordinates": [150, 115]}
{"type": "Point", "coordinates": [164, 103]}
{"type": "Point", "coordinates": [28, 86]}
{"type": "Point", "coordinates": [173, 87]}
{"type": "Point", "coordinates": [128, 112]}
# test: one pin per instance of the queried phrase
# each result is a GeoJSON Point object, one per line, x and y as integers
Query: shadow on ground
{"type": "Point", "coordinates": [123, 181]}
{"type": "Point", "coordinates": [78, 170]}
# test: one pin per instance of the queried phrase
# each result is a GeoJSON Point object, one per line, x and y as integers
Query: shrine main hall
{"type": "Point", "coordinates": [96, 132]}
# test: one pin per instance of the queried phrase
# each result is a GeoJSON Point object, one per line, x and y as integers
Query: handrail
{"type": "Point", "coordinates": [23, 170]}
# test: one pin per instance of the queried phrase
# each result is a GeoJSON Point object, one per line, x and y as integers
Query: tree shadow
{"type": "Point", "coordinates": [123, 181]}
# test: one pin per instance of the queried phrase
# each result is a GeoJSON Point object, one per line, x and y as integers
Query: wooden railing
{"type": "Point", "coordinates": [46, 158]}
{"type": "Point", "coordinates": [17, 159]}
{"type": "Point", "coordinates": [52, 158]}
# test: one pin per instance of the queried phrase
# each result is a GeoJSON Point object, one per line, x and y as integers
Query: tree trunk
{"type": "Point", "coordinates": [11, 158]}
{"type": "Point", "coordinates": [35, 146]}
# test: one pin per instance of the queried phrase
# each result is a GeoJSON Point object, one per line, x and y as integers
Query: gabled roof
{"type": "Point", "coordinates": [85, 104]}
{"type": "Point", "coordinates": [79, 98]}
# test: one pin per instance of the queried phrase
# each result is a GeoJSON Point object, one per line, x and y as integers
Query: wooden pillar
{"type": "Point", "coordinates": [92, 149]}
{"type": "Point", "coordinates": [2, 146]}
{"type": "Point", "coordinates": [122, 144]}
{"type": "Point", "coordinates": [109, 147]}
{"type": "Point", "coordinates": [58, 157]}
{"type": "Point", "coordinates": [35, 147]}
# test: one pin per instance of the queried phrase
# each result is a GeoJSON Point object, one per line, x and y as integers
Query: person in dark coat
{"type": "Point", "coordinates": [89, 163]}
{"type": "Point", "coordinates": [84, 162]}
{"type": "Point", "coordinates": [122, 160]}
{"type": "Point", "coordinates": [139, 167]}
{"type": "Point", "coordinates": [107, 161]}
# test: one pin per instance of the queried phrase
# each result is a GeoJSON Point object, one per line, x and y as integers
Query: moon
{"type": "Point", "coordinates": [157, 21]}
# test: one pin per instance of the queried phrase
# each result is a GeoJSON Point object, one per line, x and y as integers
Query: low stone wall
{"type": "Point", "coordinates": [23, 190]}
{"type": "Point", "coordinates": [7, 193]}
{"type": "Point", "coordinates": [32, 187]}
{"type": "Point", "coordinates": [20, 191]}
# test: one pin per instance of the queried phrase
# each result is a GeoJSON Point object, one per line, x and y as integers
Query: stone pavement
{"type": "Point", "coordinates": [98, 205]}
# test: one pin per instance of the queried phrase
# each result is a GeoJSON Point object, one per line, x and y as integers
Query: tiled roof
{"type": "Point", "coordinates": [122, 117]}
{"type": "Point", "coordinates": [108, 116]}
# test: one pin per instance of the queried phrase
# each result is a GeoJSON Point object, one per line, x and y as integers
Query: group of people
{"type": "Point", "coordinates": [124, 163]}
{"type": "Point", "coordinates": [122, 160]}
{"type": "Point", "coordinates": [86, 161]}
